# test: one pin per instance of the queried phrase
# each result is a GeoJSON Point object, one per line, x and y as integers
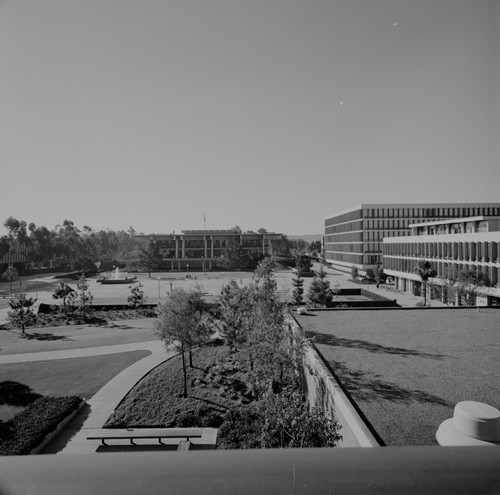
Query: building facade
{"type": "Point", "coordinates": [354, 237]}
{"type": "Point", "coordinates": [463, 243]}
{"type": "Point", "coordinates": [201, 249]}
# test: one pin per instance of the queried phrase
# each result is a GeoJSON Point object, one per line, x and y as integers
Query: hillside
{"type": "Point", "coordinates": [306, 237]}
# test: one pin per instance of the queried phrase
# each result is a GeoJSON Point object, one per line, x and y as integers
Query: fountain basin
{"type": "Point", "coordinates": [109, 281]}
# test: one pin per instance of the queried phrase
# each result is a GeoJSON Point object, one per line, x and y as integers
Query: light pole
{"type": "Point", "coordinates": [159, 294]}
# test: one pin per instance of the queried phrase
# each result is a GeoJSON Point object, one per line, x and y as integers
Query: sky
{"type": "Point", "coordinates": [167, 115]}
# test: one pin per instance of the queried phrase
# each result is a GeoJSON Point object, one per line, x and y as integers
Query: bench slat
{"type": "Point", "coordinates": [144, 433]}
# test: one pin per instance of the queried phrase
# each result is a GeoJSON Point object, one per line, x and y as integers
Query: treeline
{"type": "Point", "coordinates": [66, 247]}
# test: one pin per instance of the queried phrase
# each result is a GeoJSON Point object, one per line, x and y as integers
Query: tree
{"type": "Point", "coordinates": [425, 271]}
{"type": "Point", "coordinates": [236, 257]}
{"type": "Point", "coordinates": [10, 275]}
{"type": "Point", "coordinates": [70, 244]}
{"type": "Point", "coordinates": [319, 293]}
{"type": "Point", "coordinates": [85, 298]}
{"type": "Point", "coordinates": [22, 314]}
{"type": "Point", "coordinates": [17, 229]}
{"type": "Point", "coordinates": [303, 263]}
{"type": "Point", "coordinates": [235, 306]}
{"type": "Point", "coordinates": [298, 290]}
{"type": "Point", "coordinates": [150, 257]}
{"type": "Point", "coordinates": [136, 299]}
{"type": "Point", "coordinates": [464, 284]}
{"type": "Point", "coordinates": [184, 322]}
{"type": "Point", "coordinates": [379, 275]}
{"type": "Point", "coordinates": [67, 295]}
{"type": "Point", "coordinates": [316, 248]}
{"type": "Point", "coordinates": [354, 273]}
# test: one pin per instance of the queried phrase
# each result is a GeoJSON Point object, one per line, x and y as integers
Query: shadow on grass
{"type": "Point", "coordinates": [44, 336]}
{"type": "Point", "coordinates": [16, 394]}
{"type": "Point", "coordinates": [332, 340]}
{"type": "Point", "coordinates": [118, 326]}
{"type": "Point", "coordinates": [364, 386]}
{"type": "Point", "coordinates": [226, 408]}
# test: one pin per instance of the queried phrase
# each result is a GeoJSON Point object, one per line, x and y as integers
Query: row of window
{"type": "Point", "coordinates": [345, 217]}
{"type": "Point", "coordinates": [355, 258]}
{"type": "Point", "coordinates": [425, 213]}
{"type": "Point", "coordinates": [350, 237]}
{"type": "Point", "coordinates": [344, 227]}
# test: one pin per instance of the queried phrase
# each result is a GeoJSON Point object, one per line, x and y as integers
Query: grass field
{"type": "Point", "coordinates": [406, 369]}
{"type": "Point", "coordinates": [22, 383]}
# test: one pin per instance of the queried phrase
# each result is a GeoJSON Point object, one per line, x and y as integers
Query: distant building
{"type": "Point", "coordinates": [354, 237]}
{"type": "Point", "coordinates": [472, 243]}
{"type": "Point", "coordinates": [16, 257]}
{"type": "Point", "coordinates": [201, 249]}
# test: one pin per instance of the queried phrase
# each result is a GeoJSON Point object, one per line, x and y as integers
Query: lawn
{"type": "Point", "coordinates": [22, 383]}
{"type": "Point", "coordinates": [406, 369]}
{"type": "Point", "coordinates": [77, 336]}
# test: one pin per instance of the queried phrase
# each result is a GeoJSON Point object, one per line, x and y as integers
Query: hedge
{"type": "Point", "coordinates": [24, 432]}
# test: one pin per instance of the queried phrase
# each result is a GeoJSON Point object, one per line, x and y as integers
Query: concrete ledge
{"type": "Point", "coordinates": [324, 391]}
{"type": "Point", "coordinates": [59, 427]}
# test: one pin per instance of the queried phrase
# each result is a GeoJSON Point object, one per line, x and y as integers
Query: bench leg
{"type": "Point", "coordinates": [103, 442]}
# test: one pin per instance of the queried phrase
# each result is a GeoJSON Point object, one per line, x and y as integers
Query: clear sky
{"type": "Point", "coordinates": [261, 113]}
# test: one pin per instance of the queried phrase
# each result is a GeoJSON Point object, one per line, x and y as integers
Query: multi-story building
{"type": "Point", "coordinates": [354, 237]}
{"type": "Point", "coordinates": [472, 243]}
{"type": "Point", "coordinates": [201, 249]}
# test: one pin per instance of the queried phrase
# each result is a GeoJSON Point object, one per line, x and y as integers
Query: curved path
{"type": "Point", "coordinates": [73, 437]}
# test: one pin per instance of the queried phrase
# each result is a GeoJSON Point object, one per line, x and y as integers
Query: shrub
{"type": "Point", "coordinates": [281, 420]}
{"type": "Point", "coordinates": [203, 417]}
{"type": "Point", "coordinates": [29, 428]}
{"type": "Point", "coordinates": [241, 428]}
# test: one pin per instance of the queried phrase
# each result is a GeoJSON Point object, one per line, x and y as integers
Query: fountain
{"type": "Point", "coordinates": [116, 279]}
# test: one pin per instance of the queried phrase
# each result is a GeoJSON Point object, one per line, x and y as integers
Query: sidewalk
{"type": "Point", "coordinates": [72, 439]}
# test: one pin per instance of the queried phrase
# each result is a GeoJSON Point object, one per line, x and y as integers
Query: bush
{"type": "Point", "coordinates": [281, 420]}
{"type": "Point", "coordinates": [241, 429]}
{"type": "Point", "coordinates": [29, 428]}
{"type": "Point", "coordinates": [203, 417]}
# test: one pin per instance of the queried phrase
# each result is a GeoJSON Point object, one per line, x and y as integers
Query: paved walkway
{"type": "Point", "coordinates": [72, 438]}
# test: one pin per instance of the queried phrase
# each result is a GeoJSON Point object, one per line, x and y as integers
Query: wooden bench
{"type": "Point", "coordinates": [145, 433]}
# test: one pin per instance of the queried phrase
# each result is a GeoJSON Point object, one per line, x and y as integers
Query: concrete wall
{"type": "Point", "coordinates": [323, 391]}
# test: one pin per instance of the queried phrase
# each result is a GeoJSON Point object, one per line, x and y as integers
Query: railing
{"type": "Point", "coordinates": [394, 470]}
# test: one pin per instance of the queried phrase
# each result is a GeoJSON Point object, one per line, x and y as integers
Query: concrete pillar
{"type": "Point", "coordinates": [177, 248]}
{"type": "Point", "coordinates": [494, 278]}
{"type": "Point", "coordinates": [494, 252]}
{"type": "Point", "coordinates": [486, 252]}
{"type": "Point", "coordinates": [183, 248]}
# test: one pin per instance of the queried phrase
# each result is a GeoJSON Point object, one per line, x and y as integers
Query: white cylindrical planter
{"type": "Point", "coordinates": [473, 424]}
